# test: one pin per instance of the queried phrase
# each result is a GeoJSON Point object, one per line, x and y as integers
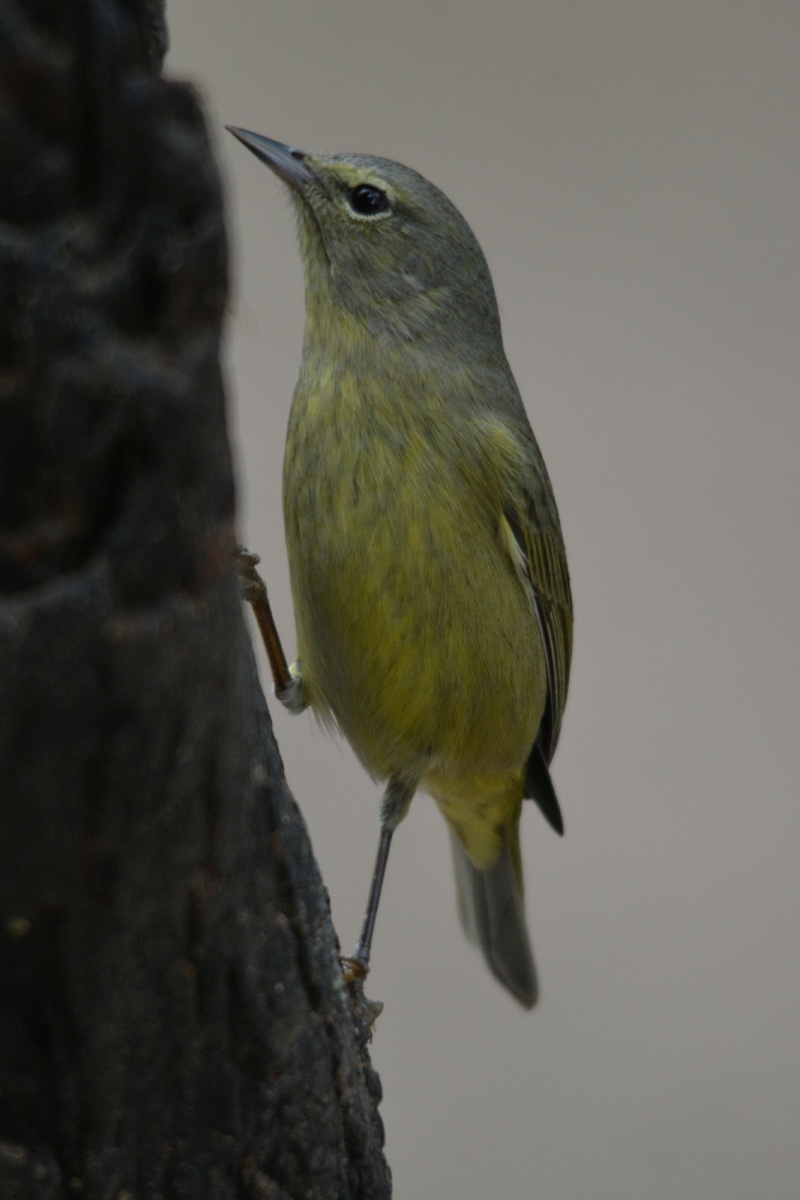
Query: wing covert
{"type": "Point", "coordinates": [542, 562]}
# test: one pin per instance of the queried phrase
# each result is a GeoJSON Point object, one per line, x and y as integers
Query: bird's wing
{"type": "Point", "coordinates": [520, 496]}
{"type": "Point", "coordinates": [530, 517]}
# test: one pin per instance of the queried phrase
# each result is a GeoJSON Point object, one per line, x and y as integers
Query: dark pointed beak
{"type": "Point", "coordinates": [285, 161]}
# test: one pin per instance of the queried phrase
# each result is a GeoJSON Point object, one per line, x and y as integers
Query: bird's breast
{"type": "Point", "coordinates": [413, 629]}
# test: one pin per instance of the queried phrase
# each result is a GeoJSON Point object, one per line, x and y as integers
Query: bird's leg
{"type": "Point", "coordinates": [394, 806]}
{"type": "Point", "coordinates": [287, 681]}
{"type": "Point", "coordinates": [356, 968]}
{"type": "Point", "coordinates": [361, 953]}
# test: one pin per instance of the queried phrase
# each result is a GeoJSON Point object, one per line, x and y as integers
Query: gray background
{"type": "Point", "coordinates": [631, 169]}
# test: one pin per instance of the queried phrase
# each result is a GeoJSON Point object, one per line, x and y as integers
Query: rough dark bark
{"type": "Point", "coordinates": [172, 1017]}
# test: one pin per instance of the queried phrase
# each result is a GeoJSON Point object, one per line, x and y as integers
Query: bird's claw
{"type": "Point", "coordinates": [251, 584]}
{"type": "Point", "coordinates": [365, 1011]}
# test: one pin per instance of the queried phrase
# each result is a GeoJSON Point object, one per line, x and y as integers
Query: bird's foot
{"type": "Point", "coordinates": [251, 584]}
{"type": "Point", "coordinates": [365, 1011]}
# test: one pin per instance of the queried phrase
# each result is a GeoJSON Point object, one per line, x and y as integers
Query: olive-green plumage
{"type": "Point", "coordinates": [430, 584]}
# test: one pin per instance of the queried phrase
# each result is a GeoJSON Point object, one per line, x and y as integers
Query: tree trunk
{"type": "Point", "coordinates": [173, 1021]}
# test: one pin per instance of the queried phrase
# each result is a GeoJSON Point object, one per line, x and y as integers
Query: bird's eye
{"type": "Point", "coordinates": [368, 200]}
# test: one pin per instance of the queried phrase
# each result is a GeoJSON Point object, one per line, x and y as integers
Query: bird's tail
{"type": "Point", "coordinates": [492, 911]}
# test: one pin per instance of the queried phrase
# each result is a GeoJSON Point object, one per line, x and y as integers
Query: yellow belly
{"type": "Point", "coordinates": [414, 631]}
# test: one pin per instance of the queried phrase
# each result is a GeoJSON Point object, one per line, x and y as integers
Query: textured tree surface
{"type": "Point", "coordinates": [172, 1017]}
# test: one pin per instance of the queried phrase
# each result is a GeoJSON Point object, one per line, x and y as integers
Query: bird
{"type": "Point", "coordinates": [428, 571]}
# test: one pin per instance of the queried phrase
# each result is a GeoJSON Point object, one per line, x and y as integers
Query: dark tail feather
{"type": "Point", "coordinates": [492, 912]}
{"type": "Point", "coordinates": [539, 787]}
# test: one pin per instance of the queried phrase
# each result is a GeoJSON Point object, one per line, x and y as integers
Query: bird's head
{"type": "Point", "coordinates": [385, 247]}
